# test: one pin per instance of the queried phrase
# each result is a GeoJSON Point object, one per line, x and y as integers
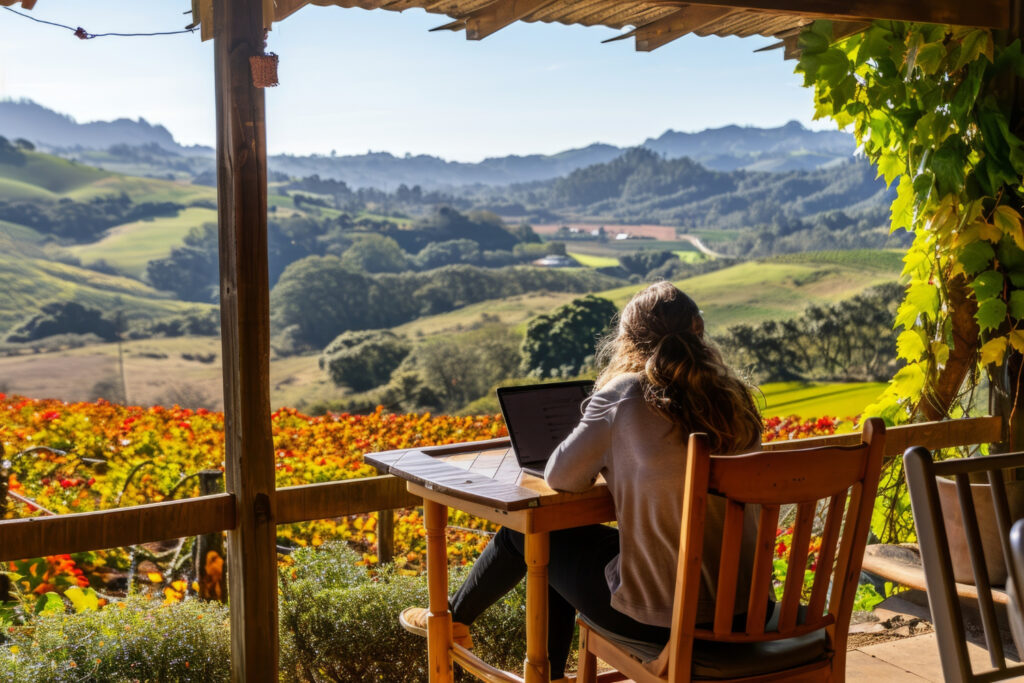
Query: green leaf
{"type": "Point", "coordinates": [890, 166]}
{"type": "Point", "coordinates": [910, 345]}
{"type": "Point", "coordinates": [994, 350]}
{"type": "Point", "coordinates": [816, 40]}
{"type": "Point", "coordinates": [948, 166]}
{"type": "Point", "coordinates": [923, 183]}
{"type": "Point", "coordinates": [924, 298]}
{"type": "Point", "coordinates": [991, 314]}
{"type": "Point", "coordinates": [1017, 304]}
{"type": "Point", "coordinates": [49, 603]}
{"type": "Point", "coordinates": [909, 381]}
{"type": "Point", "coordinates": [976, 256]}
{"type": "Point", "coordinates": [974, 44]}
{"type": "Point", "coordinates": [987, 285]}
{"type": "Point", "coordinates": [929, 57]}
{"type": "Point", "coordinates": [901, 213]}
{"type": "Point", "coordinates": [83, 600]}
{"type": "Point", "coordinates": [833, 66]}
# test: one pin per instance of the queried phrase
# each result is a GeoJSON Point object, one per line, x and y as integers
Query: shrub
{"type": "Point", "coordinates": [365, 359]}
{"type": "Point", "coordinates": [340, 623]}
{"type": "Point", "coordinates": [135, 640]}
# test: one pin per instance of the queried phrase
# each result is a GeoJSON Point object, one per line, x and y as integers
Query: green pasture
{"type": "Point", "coordinates": [29, 283]}
{"type": "Point", "coordinates": [131, 246]}
{"type": "Point", "coordinates": [13, 189]}
{"type": "Point", "coordinates": [145, 190]}
{"type": "Point", "coordinates": [806, 399]}
{"type": "Point", "coordinates": [593, 261]}
{"type": "Point", "coordinates": [49, 173]}
{"type": "Point", "coordinates": [767, 290]}
{"type": "Point", "coordinates": [871, 259]}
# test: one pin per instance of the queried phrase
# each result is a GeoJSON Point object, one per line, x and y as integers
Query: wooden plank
{"type": "Point", "coordinates": [931, 435]}
{"type": "Point", "coordinates": [340, 498]}
{"type": "Point", "coordinates": [497, 15]}
{"type": "Point", "coordinates": [285, 8]}
{"type": "Point", "coordinates": [681, 22]}
{"type": "Point", "coordinates": [245, 339]}
{"type": "Point", "coordinates": [40, 536]}
{"type": "Point", "coordinates": [903, 566]}
{"type": "Point", "coordinates": [983, 13]}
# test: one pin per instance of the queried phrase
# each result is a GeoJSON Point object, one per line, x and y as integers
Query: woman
{"type": "Point", "coordinates": [662, 380]}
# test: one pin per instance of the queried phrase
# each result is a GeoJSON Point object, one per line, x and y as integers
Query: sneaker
{"type": "Point", "coordinates": [414, 620]}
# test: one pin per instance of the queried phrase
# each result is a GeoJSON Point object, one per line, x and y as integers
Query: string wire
{"type": "Point", "coordinates": [85, 35]}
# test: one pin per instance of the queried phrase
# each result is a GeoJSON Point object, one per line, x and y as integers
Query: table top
{"type": "Point", "coordinates": [484, 472]}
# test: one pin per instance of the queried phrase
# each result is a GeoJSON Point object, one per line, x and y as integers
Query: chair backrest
{"type": "Point", "coordinates": [839, 481]}
{"type": "Point", "coordinates": [922, 473]}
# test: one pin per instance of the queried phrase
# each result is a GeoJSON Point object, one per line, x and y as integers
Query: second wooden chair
{"type": "Point", "coordinates": [804, 637]}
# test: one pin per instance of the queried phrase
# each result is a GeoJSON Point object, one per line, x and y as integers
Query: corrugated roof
{"type": "Point", "coordinates": [654, 23]}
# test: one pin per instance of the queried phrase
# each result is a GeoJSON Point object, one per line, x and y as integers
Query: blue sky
{"type": "Point", "coordinates": [353, 81]}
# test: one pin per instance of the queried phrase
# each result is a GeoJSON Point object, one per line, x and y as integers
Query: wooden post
{"type": "Point", "coordinates": [385, 535]}
{"type": "Point", "coordinates": [439, 620]}
{"type": "Point", "coordinates": [5, 476]}
{"type": "Point", "coordinates": [209, 553]}
{"type": "Point", "coordinates": [537, 554]}
{"type": "Point", "coordinates": [245, 339]}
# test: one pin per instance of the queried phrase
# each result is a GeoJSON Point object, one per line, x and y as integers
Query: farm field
{"type": "Point", "coordinates": [131, 246]}
{"type": "Point", "coordinates": [29, 282]}
{"type": "Point", "coordinates": [811, 399]}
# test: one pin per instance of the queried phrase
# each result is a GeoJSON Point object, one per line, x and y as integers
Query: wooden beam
{"type": "Point", "coordinates": [676, 25]}
{"type": "Point", "coordinates": [497, 15]}
{"type": "Point", "coordinates": [983, 13]}
{"type": "Point", "coordinates": [932, 435]}
{"type": "Point", "coordinates": [285, 8]}
{"type": "Point", "coordinates": [40, 536]}
{"type": "Point", "coordinates": [245, 339]}
{"type": "Point", "coordinates": [340, 498]}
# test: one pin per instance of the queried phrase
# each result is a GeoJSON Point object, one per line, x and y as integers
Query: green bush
{"type": "Point", "coordinates": [340, 623]}
{"type": "Point", "coordinates": [137, 640]}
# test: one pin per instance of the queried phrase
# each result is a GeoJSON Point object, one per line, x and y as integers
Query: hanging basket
{"type": "Point", "coordinates": [264, 70]}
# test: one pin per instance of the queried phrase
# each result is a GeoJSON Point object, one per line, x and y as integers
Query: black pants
{"type": "Point", "coordinates": [575, 582]}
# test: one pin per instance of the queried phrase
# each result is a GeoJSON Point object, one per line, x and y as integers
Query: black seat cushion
{"type": "Point", "coordinates": [717, 660]}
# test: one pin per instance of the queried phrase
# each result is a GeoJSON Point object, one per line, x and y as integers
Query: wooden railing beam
{"type": "Point", "coordinates": [40, 536]}
{"type": "Point", "coordinates": [932, 435]}
{"type": "Point", "coordinates": [340, 498]}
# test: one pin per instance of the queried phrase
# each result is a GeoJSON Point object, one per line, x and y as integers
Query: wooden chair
{"type": "Point", "coordinates": [799, 641]}
{"type": "Point", "coordinates": [943, 599]}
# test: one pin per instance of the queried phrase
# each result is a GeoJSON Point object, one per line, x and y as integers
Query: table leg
{"type": "Point", "coordinates": [537, 553]}
{"type": "Point", "coordinates": [439, 621]}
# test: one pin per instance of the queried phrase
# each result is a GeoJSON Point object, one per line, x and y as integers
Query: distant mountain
{"type": "Point", "coordinates": [45, 127]}
{"type": "Point", "coordinates": [787, 148]}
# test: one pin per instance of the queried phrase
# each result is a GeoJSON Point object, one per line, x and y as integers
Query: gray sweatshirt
{"type": "Point", "coordinates": [643, 457]}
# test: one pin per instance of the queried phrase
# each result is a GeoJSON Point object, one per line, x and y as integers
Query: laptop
{"type": "Point", "coordinates": [539, 417]}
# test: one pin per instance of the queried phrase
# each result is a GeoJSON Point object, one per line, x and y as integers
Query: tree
{"type": "Point", "coordinates": [323, 298]}
{"type": "Point", "coordinates": [363, 360]}
{"type": "Point", "coordinates": [644, 261]}
{"type": "Point", "coordinates": [375, 254]}
{"type": "Point", "coordinates": [559, 343]}
{"type": "Point", "coordinates": [449, 252]}
{"type": "Point", "coordinates": [64, 318]}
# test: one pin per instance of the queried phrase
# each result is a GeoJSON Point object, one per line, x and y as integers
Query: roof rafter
{"type": "Point", "coordinates": [684, 20]}
{"type": "Point", "coordinates": [499, 14]}
{"type": "Point", "coordinates": [983, 13]}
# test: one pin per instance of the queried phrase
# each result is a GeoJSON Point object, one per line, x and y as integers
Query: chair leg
{"type": "Point", "coordinates": [587, 670]}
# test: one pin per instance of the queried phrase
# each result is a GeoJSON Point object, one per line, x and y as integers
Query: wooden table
{"type": "Point", "coordinates": [483, 479]}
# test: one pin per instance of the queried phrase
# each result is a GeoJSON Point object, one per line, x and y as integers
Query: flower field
{"type": "Point", "coordinates": [77, 457]}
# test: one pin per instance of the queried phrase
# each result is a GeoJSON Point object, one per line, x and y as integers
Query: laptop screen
{"type": "Point", "coordinates": [540, 416]}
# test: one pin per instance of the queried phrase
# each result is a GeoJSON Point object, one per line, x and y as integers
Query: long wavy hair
{"type": "Point", "coordinates": [661, 336]}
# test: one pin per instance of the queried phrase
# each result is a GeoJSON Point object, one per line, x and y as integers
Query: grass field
{"type": "Point", "coordinates": [768, 290]}
{"type": "Point", "coordinates": [131, 246]}
{"type": "Point", "coordinates": [593, 261]}
{"type": "Point", "coordinates": [840, 400]}
{"type": "Point", "coordinates": [29, 283]}
{"type": "Point", "coordinates": [52, 174]}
